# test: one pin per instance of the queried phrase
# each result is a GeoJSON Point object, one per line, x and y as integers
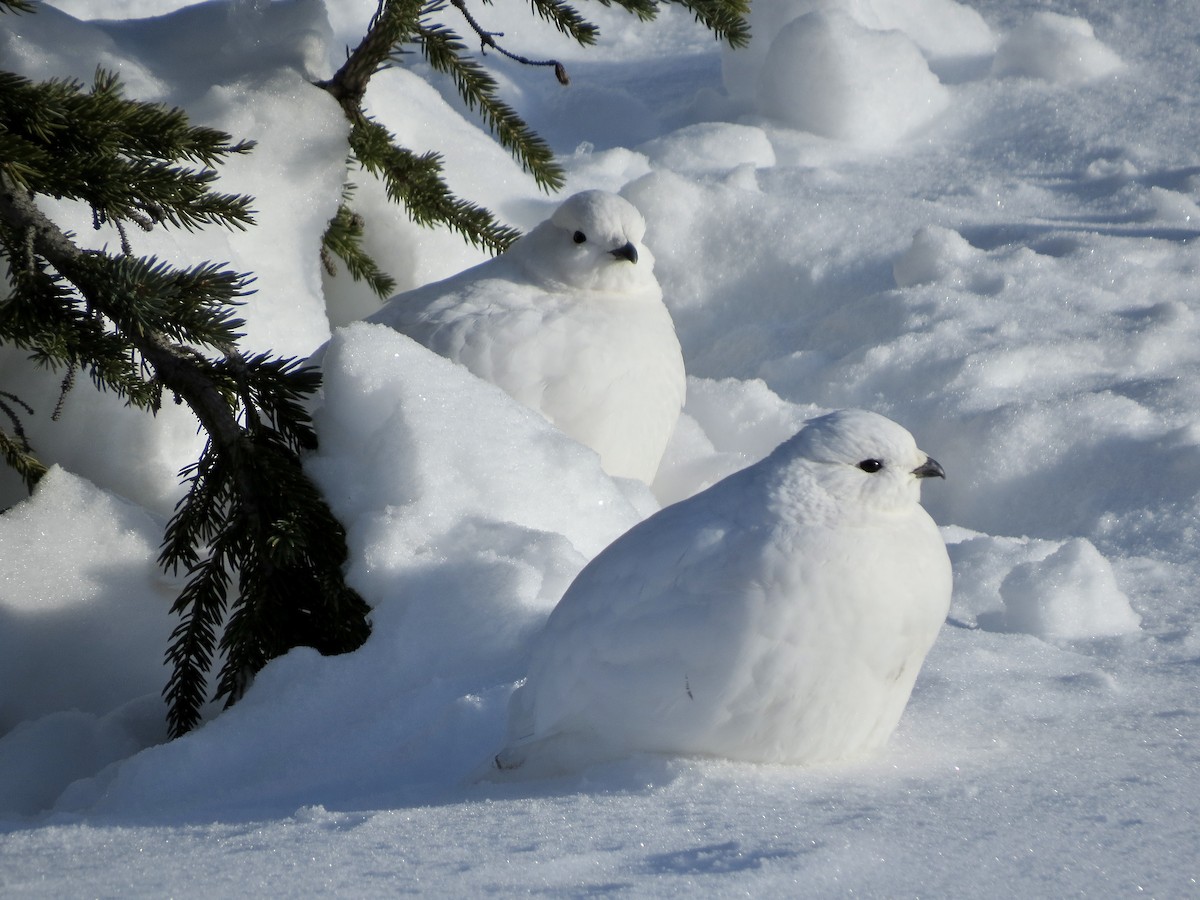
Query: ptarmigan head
{"type": "Point", "coordinates": [859, 460]}
{"type": "Point", "coordinates": [592, 242]}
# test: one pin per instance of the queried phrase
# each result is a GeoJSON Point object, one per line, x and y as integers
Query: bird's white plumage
{"type": "Point", "coordinates": [569, 321]}
{"type": "Point", "coordinates": [781, 615]}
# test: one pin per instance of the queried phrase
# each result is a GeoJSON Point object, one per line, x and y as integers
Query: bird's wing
{"type": "Point", "coordinates": [651, 614]}
{"type": "Point", "coordinates": [495, 327]}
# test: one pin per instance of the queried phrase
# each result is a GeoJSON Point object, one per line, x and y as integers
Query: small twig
{"type": "Point", "coordinates": [68, 382]}
{"type": "Point", "coordinates": [327, 262]}
{"type": "Point", "coordinates": [146, 220]}
{"type": "Point", "coordinates": [488, 39]}
{"type": "Point", "coordinates": [126, 247]}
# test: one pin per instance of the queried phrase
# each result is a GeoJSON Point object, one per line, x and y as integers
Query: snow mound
{"type": "Point", "coordinates": [710, 146]}
{"type": "Point", "coordinates": [403, 427]}
{"type": "Point", "coordinates": [1072, 594]}
{"type": "Point", "coordinates": [467, 517]}
{"type": "Point", "coordinates": [943, 30]}
{"type": "Point", "coordinates": [41, 757]}
{"type": "Point", "coordinates": [99, 611]}
{"type": "Point", "coordinates": [83, 624]}
{"type": "Point", "coordinates": [1055, 48]}
{"type": "Point", "coordinates": [827, 74]}
{"type": "Point", "coordinates": [52, 44]}
{"type": "Point", "coordinates": [469, 513]}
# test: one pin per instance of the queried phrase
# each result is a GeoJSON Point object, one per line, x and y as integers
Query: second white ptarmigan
{"type": "Point", "coordinates": [780, 616]}
{"type": "Point", "coordinates": [570, 321]}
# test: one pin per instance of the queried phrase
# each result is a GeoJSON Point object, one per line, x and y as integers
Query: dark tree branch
{"type": "Point", "coordinates": [249, 508]}
{"type": "Point", "coordinates": [393, 23]}
{"type": "Point", "coordinates": [177, 367]}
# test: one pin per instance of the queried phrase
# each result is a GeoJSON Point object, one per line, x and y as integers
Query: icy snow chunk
{"type": "Point", "coordinates": [1172, 206]}
{"type": "Point", "coordinates": [711, 146]}
{"type": "Point", "coordinates": [603, 170]}
{"type": "Point", "coordinates": [740, 67]}
{"type": "Point", "coordinates": [935, 254]}
{"type": "Point", "coordinates": [829, 75]}
{"type": "Point", "coordinates": [1107, 168]}
{"type": "Point", "coordinates": [744, 416]}
{"type": "Point", "coordinates": [1055, 48]}
{"type": "Point", "coordinates": [1072, 594]}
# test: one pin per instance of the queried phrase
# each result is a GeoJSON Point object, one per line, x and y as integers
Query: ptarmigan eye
{"type": "Point", "coordinates": [871, 465]}
{"type": "Point", "coordinates": [580, 237]}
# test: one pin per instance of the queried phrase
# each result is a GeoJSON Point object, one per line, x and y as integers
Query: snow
{"type": "Point", "coordinates": [1012, 277]}
{"type": "Point", "coordinates": [828, 75]}
{"type": "Point", "coordinates": [1055, 48]}
{"type": "Point", "coordinates": [1071, 594]}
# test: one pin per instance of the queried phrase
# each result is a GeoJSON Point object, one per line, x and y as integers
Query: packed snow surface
{"type": "Point", "coordinates": [977, 218]}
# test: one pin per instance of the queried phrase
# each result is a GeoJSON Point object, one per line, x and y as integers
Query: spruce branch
{"type": "Point", "coordinates": [64, 388]}
{"type": "Point", "coordinates": [343, 239]}
{"type": "Point", "coordinates": [444, 51]}
{"type": "Point", "coordinates": [175, 366]}
{"type": "Point", "coordinates": [567, 20]}
{"type": "Point", "coordinates": [261, 549]}
{"type": "Point", "coordinates": [15, 447]}
{"type": "Point", "coordinates": [249, 502]}
{"type": "Point", "coordinates": [726, 19]}
{"type": "Point", "coordinates": [393, 24]}
{"type": "Point", "coordinates": [121, 157]}
{"type": "Point", "coordinates": [415, 180]}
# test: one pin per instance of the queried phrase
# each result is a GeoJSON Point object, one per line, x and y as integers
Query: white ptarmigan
{"type": "Point", "coordinates": [779, 616]}
{"type": "Point", "coordinates": [570, 321]}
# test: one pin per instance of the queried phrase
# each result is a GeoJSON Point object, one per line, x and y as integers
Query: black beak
{"type": "Point", "coordinates": [628, 252]}
{"type": "Point", "coordinates": [931, 468]}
